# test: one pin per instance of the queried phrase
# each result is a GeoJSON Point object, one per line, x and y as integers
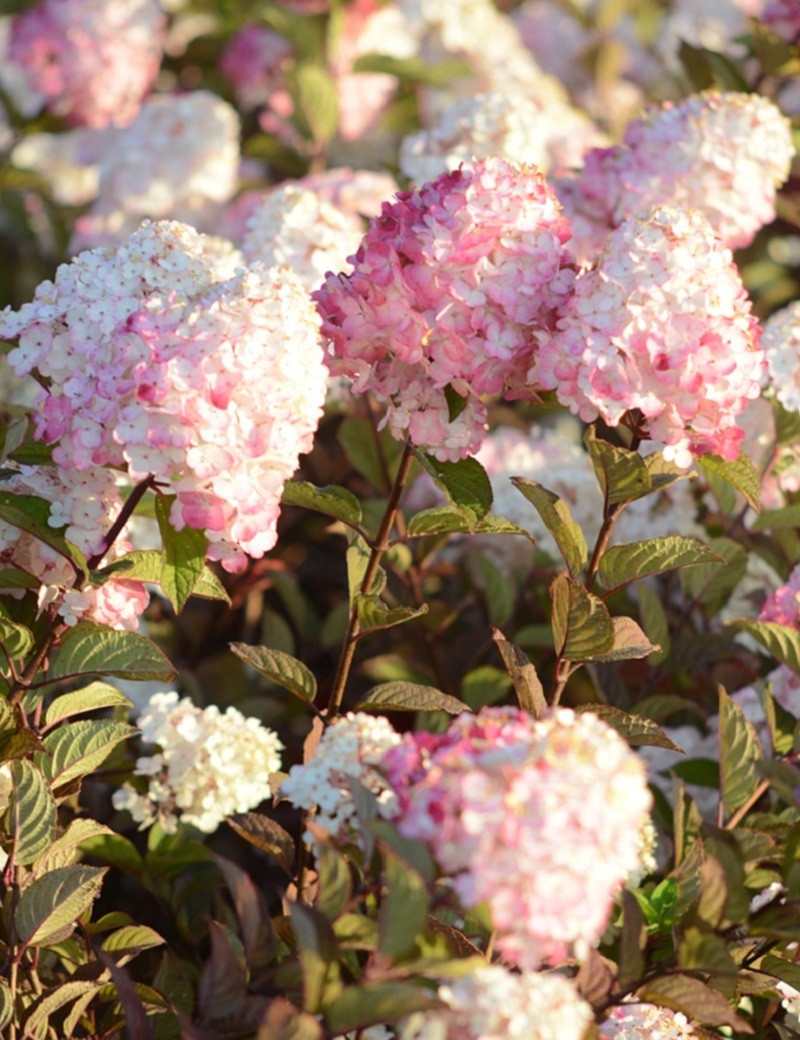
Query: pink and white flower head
{"type": "Point", "coordinates": [539, 819]}
{"type": "Point", "coordinates": [93, 60]}
{"type": "Point", "coordinates": [83, 506]}
{"type": "Point", "coordinates": [783, 605]}
{"type": "Point", "coordinates": [452, 286]}
{"type": "Point", "coordinates": [208, 764]}
{"type": "Point", "coordinates": [296, 228]}
{"type": "Point", "coordinates": [167, 358]}
{"type": "Point", "coordinates": [723, 154]}
{"type": "Point", "coordinates": [781, 344]}
{"type": "Point", "coordinates": [178, 160]}
{"type": "Point", "coordinates": [783, 17]}
{"type": "Point", "coordinates": [660, 323]}
{"type": "Point", "coordinates": [645, 1022]}
{"type": "Point", "coordinates": [493, 1002]}
{"type": "Point", "coordinates": [255, 61]}
{"type": "Point", "coordinates": [350, 751]}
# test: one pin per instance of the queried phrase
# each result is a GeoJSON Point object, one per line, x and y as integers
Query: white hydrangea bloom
{"type": "Point", "coordinates": [299, 229]}
{"type": "Point", "coordinates": [68, 161]}
{"type": "Point", "coordinates": [493, 1002]}
{"type": "Point", "coordinates": [350, 749]}
{"type": "Point", "coordinates": [208, 765]}
{"type": "Point", "coordinates": [781, 344]}
{"type": "Point", "coordinates": [179, 159]}
{"type": "Point", "coordinates": [497, 123]}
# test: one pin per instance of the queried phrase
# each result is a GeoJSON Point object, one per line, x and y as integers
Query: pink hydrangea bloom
{"type": "Point", "coordinates": [783, 605]}
{"type": "Point", "coordinates": [723, 154]}
{"type": "Point", "coordinates": [539, 819]}
{"type": "Point", "coordinates": [255, 61]}
{"type": "Point", "coordinates": [783, 17]}
{"type": "Point", "coordinates": [493, 1002]}
{"type": "Point", "coordinates": [660, 323]}
{"type": "Point", "coordinates": [645, 1022]}
{"type": "Point", "coordinates": [452, 286]}
{"type": "Point", "coordinates": [166, 357]}
{"type": "Point", "coordinates": [94, 60]}
{"type": "Point", "coordinates": [83, 505]}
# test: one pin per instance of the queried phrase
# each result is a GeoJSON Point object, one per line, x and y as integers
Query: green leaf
{"type": "Point", "coordinates": [787, 424]}
{"type": "Point", "coordinates": [65, 993]}
{"type": "Point", "coordinates": [64, 851]}
{"type": "Point", "coordinates": [712, 584]}
{"type": "Point", "coordinates": [621, 474]}
{"type": "Point", "coordinates": [32, 514]}
{"type": "Point", "coordinates": [356, 932]}
{"type": "Point", "coordinates": [414, 70]}
{"type": "Point", "coordinates": [787, 971]}
{"type": "Point", "coordinates": [500, 592]}
{"type": "Point", "coordinates": [582, 626]}
{"type": "Point", "coordinates": [17, 640]}
{"type": "Point", "coordinates": [90, 649]}
{"type": "Point", "coordinates": [375, 1003]}
{"type": "Point", "coordinates": [317, 101]}
{"type": "Point", "coordinates": [448, 520]}
{"type": "Point", "coordinates": [636, 729]}
{"type": "Point", "coordinates": [139, 565]}
{"type": "Point", "coordinates": [116, 851]}
{"type": "Point", "coordinates": [358, 439]}
{"type": "Point", "coordinates": [455, 402]}
{"type": "Point", "coordinates": [6, 1004]}
{"type": "Point", "coordinates": [630, 642]}
{"type": "Point", "coordinates": [184, 555]}
{"type": "Point", "coordinates": [77, 748]}
{"type": "Point", "coordinates": [694, 999]}
{"type": "Point", "coordinates": [130, 940]}
{"type": "Point", "coordinates": [208, 586]}
{"type": "Point", "coordinates": [622, 564]}
{"type": "Point", "coordinates": [557, 518]}
{"type": "Point", "coordinates": [404, 906]}
{"type": "Point", "coordinates": [283, 1021]}
{"type": "Point", "coordinates": [374, 614]}
{"type": "Point", "coordinates": [357, 557]}
{"type": "Point", "coordinates": [31, 812]}
{"type": "Point", "coordinates": [408, 696]}
{"type": "Point", "coordinates": [49, 907]}
{"type": "Point", "coordinates": [706, 68]}
{"type": "Point", "coordinates": [316, 944]}
{"type": "Point", "coordinates": [412, 851]}
{"type": "Point", "coordinates": [223, 980]}
{"type": "Point", "coordinates": [740, 754]}
{"type": "Point", "coordinates": [777, 519]}
{"type": "Point", "coordinates": [92, 697]}
{"type": "Point", "coordinates": [654, 620]}
{"type": "Point", "coordinates": [740, 474]}
{"type": "Point", "coordinates": [13, 578]}
{"type": "Point", "coordinates": [464, 482]}
{"type": "Point", "coordinates": [331, 500]}
{"type": "Point", "coordinates": [780, 640]}
{"type": "Point", "coordinates": [527, 686]}
{"type": "Point", "coordinates": [335, 882]}
{"type": "Point", "coordinates": [266, 835]}
{"type": "Point", "coordinates": [280, 668]}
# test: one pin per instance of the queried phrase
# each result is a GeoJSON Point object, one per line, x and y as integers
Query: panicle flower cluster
{"type": "Point", "coordinates": [208, 765]}
{"type": "Point", "coordinates": [349, 752]}
{"type": "Point", "coordinates": [781, 343]}
{"type": "Point", "coordinates": [452, 286]}
{"type": "Point", "coordinates": [540, 819]}
{"type": "Point", "coordinates": [645, 1022]}
{"type": "Point", "coordinates": [783, 605]}
{"type": "Point", "coordinates": [166, 358]}
{"type": "Point", "coordinates": [723, 154]}
{"type": "Point", "coordinates": [660, 323]}
{"type": "Point", "coordinates": [493, 1002]}
{"type": "Point", "coordinates": [84, 504]}
{"type": "Point", "coordinates": [179, 159]}
{"type": "Point", "coordinates": [296, 228]}
{"type": "Point", "coordinates": [93, 60]}
{"type": "Point", "coordinates": [495, 124]}
{"type": "Point", "coordinates": [68, 161]}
